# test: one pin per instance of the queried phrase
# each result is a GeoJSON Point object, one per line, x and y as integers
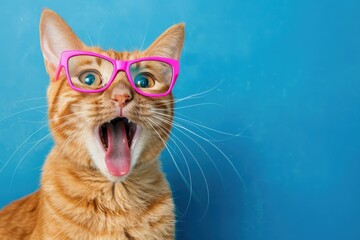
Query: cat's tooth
{"type": "Point", "coordinates": [129, 120]}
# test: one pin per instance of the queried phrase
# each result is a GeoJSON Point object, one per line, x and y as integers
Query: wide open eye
{"type": "Point", "coordinates": [151, 77]}
{"type": "Point", "coordinates": [90, 78]}
{"type": "Point", "coordinates": [144, 80]}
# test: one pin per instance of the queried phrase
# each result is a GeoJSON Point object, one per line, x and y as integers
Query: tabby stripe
{"type": "Point", "coordinates": [70, 220]}
{"type": "Point", "coordinates": [154, 206]}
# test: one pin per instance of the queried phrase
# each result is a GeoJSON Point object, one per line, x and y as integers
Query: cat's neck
{"type": "Point", "coordinates": [63, 178]}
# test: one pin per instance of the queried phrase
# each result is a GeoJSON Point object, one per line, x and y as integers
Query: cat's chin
{"type": "Point", "coordinates": [114, 147]}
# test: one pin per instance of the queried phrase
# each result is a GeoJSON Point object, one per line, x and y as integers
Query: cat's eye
{"type": "Point", "coordinates": [89, 72]}
{"type": "Point", "coordinates": [151, 76]}
{"type": "Point", "coordinates": [90, 78]}
{"type": "Point", "coordinates": [144, 80]}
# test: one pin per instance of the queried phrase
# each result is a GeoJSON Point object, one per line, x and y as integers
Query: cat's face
{"type": "Point", "coordinates": [117, 128]}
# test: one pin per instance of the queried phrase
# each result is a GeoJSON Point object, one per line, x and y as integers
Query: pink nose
{"type": "Point", "coordinates": [121, 99]}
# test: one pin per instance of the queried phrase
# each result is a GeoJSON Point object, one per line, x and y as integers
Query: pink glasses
{"type": "Point", "coordinates": [90, 72]}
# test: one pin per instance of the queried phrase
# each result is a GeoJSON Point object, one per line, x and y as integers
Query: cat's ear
{"type": "Point", "coordinates": [169, 43]}
{"type": "Point", "coordinates": [55, 37]}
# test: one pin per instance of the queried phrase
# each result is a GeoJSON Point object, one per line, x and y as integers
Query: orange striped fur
{"type": "Point", "coordinates": [76, 200]}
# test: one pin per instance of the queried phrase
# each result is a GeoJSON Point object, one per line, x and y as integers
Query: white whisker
{"type": "Point", "coordinates": [211, 129]}
{"type": "Point", "coordinates": [25, 110]}
{"type": "Point", "coordinates": [88, 36]}
{"type": "Point", "coordinates": [196, 105]}
{"type": "Point", "coordinates": [171, 155]}
{"type": "Point", "coordinates": [187, 166]}
{"type": "Point", "coordinates": [142, 44]}
{"type": "Point", "coordinates": [30, 99]}
{"type": "Point", "coordinates": [212, 144]}
{"type": "Point", "coordinates": [39, 129]}
{"type": "Point", "coordinates": [99, 33]}
{"type": "Point", "coordinates": [35, 145]}
{"type": "Point", "coordinates": [220, 151]}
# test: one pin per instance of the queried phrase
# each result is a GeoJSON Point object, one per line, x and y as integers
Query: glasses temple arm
{"type": "Point", "coordinates": [58, 71]}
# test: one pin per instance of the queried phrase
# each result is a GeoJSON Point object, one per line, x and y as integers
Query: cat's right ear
{"type": "Point", "coordinates": [55, 37]}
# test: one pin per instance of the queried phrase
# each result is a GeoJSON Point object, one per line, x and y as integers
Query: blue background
{"type": "Point", "coordinates": [283, 73]}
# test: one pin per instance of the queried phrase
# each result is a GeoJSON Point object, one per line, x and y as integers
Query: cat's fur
{"type": "Point", "coordinates": [76, 200]}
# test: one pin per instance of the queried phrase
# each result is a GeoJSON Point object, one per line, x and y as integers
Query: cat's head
{"type": "Point", "coordinates": [117, 128]}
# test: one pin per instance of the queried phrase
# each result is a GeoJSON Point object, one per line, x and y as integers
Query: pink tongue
{"type": "Point", "coordinates": [117, 157]}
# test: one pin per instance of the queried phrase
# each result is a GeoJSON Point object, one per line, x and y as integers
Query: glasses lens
{"type": "Point", "coordinates": [152, 77]}
{"type": "Point", "coordinates": [89, 72]}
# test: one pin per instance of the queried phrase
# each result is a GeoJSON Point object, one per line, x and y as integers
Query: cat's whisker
{"type": "Point", "coordinates": [177, 100]}
{"type": "Point", "coordinates": [89, 38]}
{"type": "Point", "coordinates": [202, 127]}
{"type": "Point", "coordinates": [202, 130]}
{"type": "Point", "coordinates": [186, 163]}
{"type": "Point", "coordinates": [210, 129]}
{"type": "Point", "coordinates": [200, 168]}
{"type": "Point", "coordinates": [189, 97]}
{"type": "Point", "coordinates": [28, 100]}
{"type": "Point", "coordinates": [189, 122]}
{"type": "Point", "coordinates": [171, 155]}
{"type": "Point", "coordinates": [29, 137]}
{"type": "Point", "coordinates": [169, 121]}
{"type": "Point", "coordinates": [240, 134]}
{"type": "Point", "coordinates": [216, 147]}
{"type": "Point", "coordinates": [219, 150]}
{"type": "Point", "coordinates": [197, 105]}
{"type": "Point", "coordinates": [170, 118]}
{"type": "Point", "coordinates": [202, 173]}
{"type": "Point", "coordinates": [142, 44]}
{"type": "Point", "coordinates": [22, 111]}
{"type": "Point", "coordinates": [197, 163]}
{"type": "Point", "coordinates": [99, 33]}
{"type": "Point", "coordinates": [195, 95]}
{"type": "Point", "coordinates": [17, 149]}
{"type": "Point", "coordinates": [35, 145]}
{"type": "Point", "coordinates": [34, 122]}
{"type": "Point", "coordinates": [177, 128]}
{"type": "Point", "coordinates": [186, 117]}
{"type": "Point", "coordinates": [203, 93]}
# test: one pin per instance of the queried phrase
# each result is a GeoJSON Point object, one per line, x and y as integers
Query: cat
{"type": "Point", "coordinates": [84, 192]}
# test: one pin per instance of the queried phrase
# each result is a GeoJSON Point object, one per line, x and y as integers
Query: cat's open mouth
{"type": "Point", "coordinates": [130, 129]}
{"type": "Point", "coordinates": [118, 137]}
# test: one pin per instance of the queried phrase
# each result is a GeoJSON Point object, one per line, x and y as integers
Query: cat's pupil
{"type": "Point", "coordinates": [89, 79]}
{"type": "Point", "coordinates": [141, 81]}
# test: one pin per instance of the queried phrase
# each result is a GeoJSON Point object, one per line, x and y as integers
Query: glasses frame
{"type": "Point", "coordinates": [119, 65]}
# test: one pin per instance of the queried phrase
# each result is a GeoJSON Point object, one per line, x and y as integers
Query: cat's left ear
{"type": "Point", "coordinates": [55, 37]}
{"type": "Point", "coordinates": [169, 44]}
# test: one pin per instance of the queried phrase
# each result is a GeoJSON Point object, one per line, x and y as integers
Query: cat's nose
{"type": "Point", "coordinates": [121, 99]}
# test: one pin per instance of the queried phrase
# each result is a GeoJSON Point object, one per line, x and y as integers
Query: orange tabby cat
{"type": "Point", "coordinates": [79, 197]}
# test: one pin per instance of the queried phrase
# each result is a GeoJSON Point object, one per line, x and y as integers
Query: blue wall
{"type": "Point", "coordinates": [290, 82]}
